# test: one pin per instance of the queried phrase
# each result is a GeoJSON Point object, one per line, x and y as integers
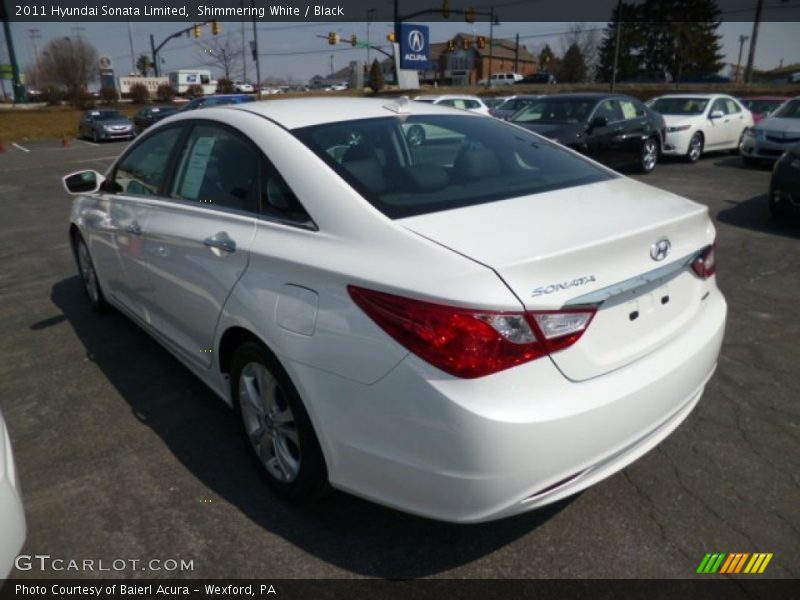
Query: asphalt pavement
{"type": "Point", "coordinates": [123, 454]}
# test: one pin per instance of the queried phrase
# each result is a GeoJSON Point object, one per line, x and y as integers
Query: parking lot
{"type": "Point", "coordinates": [123, 454]}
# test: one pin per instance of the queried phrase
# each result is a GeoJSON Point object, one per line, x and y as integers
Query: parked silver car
{"type": "Point", "coordinates": [105, 124]}
{"type": "Point", "coordinates": [772, 136]}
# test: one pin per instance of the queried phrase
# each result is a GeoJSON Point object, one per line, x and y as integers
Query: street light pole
{"type": "Point", "coordinates": [751, 55]}
{"type": "Point", "coordinates": [255, 49]}
{"type": "Point", "coordinates": [491, 46]}
{"type": "Point", "coordinates": [742, 40]}
{"type": "Point", "coordinates": [19, 89]}
{"type": "Point", "coordinates": [616, 46]}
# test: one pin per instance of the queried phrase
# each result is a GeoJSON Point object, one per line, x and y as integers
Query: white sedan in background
{"type": "Point", "coordinates": [699, 123]}
{"type": "Point", "coordinates": [460, 101]}
{"type": "Point", "coordinates": [466, 328]}
{"type": "Point", "coordinates": [12, 515]}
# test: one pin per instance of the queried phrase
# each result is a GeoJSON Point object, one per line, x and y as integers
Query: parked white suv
{"type": "Point", "coordinates": [502, 79]}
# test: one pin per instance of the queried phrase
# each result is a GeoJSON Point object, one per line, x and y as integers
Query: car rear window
{"type": "Point", "coordinates": [418, 164]}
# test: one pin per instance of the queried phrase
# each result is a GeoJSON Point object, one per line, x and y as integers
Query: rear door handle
{"type": "Point", "coordinates": [134, 229]}
{"type": "Point", "coordinates": [221, 241]}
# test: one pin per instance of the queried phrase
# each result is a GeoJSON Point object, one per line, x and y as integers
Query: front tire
{"type": "Point", "coordinates": [649, 156]}
{"type": "Point", "coordinates": [91, 285]}
{"type": "Point", "coordinates": [695, 148]}
{"type": "Point", "coordinates": [276, 425]}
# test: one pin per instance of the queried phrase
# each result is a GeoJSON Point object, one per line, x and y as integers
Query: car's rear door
{"type": "Point", "coordinates": [199, 238]}
{"type": "Point", "coordinates": [604, 143]}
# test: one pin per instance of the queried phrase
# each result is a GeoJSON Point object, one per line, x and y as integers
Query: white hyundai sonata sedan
{"type": "Point", "coordinates": [464, 328]}
{"type": "Point", "coordinates": [12, 514]}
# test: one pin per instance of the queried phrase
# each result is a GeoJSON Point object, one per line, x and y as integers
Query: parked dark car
{"type": "Point", "coordinates": [101, 124]}
{"type": "Point", "coordinates": [784, 187]}
{"type": "Point", "coordinates": [152, 114]}
{"type": "Point", "coordinates": [217, 100]}
{"type": "Point", "coordinates": [540, 77]}
{"type": "Point", "coordinates": [613, 129]}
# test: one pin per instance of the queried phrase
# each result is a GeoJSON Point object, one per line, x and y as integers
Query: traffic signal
{"type": "Point", "coordinates": [481, 42]}
{"type": "Point", "coordinates": [391, 37]}
{"type": "Point", "coordinates": [451, 45]}
{"type": "Point", "coordinates": [215, 28]}
{"type": "Point", "coordinates": [353, 40]}
{"type": "Point", "coordinates": [196, 30]}
{"type": "Point", "coordinates": [446, 9]}
{"type": "Point", "coordinates": [465, 43]}
{"type": "Point", "coordinates": [469, 16]}
{"type": "Point", "coordinates": [332, 38]}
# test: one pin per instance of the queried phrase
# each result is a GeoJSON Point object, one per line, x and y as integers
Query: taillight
{"type": "Point", "coordinates": [466, 342]}
{"type": "Point", "coordinates": [705, 265]}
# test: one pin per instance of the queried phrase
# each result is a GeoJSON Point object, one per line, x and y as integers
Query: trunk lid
{"type": "Point", "coordinates": [585, 244]}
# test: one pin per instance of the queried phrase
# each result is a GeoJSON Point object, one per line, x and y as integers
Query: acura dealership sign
{"type": "Point", "coordinates": [414, 48]}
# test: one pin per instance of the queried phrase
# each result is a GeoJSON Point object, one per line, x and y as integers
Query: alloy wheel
{"type": "Point", "coordinates": [695, 147]}
{"type": "Point", "coordinates": [649, 155]}
{"type": "Point", "coordinates": [269, 422]}
{"type": "Point", "coordinates": [88, 273]}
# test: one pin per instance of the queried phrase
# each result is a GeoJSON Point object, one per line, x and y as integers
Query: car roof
{"type": "Point", "coordinates": [689, 95]}
{"type": "Point", "coordinates": [292, 113]}
{"type": "Point", "coordinates": [446, 97]}
{"type": "Point", "coordinates": [781, 98]}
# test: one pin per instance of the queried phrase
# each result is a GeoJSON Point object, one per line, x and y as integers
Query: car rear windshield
{"type": "Point", "coordinates": [555, 110]}
{"type": "Point", "coordinates": [790, 110]}
{"type": "Point", "coordinates": [680, 106]}
{"type": "Point", "coordinates": [419, 164]}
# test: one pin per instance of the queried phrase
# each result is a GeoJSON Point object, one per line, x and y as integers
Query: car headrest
{"type": "Point", "coordinates": [476, 163]}
{"type": "Point", "coordinates": [426, 178]}
{"type": "Point", "coordinates": [368, 172]}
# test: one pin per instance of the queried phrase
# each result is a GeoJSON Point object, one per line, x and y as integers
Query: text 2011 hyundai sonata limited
{"type": "Point", "coordinates": [465, 328]}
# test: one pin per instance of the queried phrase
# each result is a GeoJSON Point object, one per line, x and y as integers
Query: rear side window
{"type": "Point", "coordinates": [418, 164]}
{"type": "Point", "coordinates": [141, 171]}
{"type": "Point", "coordinates": [277, 199]}
{"type": "Point", "coordinates": [219, 168]}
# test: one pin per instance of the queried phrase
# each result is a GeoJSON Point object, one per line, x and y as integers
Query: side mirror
{"type": "Point", "coordinates": [598, 122]}
{"type": "Point", "coordinates": [716, 114]}
{"type": "Point", "coordinates": [83, 182]}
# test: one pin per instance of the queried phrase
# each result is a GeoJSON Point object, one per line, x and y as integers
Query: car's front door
{"type": "Point", "coordinates": [117, 244]}
{"type": "Point", "coordinates": [199, 239]}
{"type": "Point", "coordinates": [636, 129]}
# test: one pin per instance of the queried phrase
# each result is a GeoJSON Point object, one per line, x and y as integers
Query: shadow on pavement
{"type": "Point", "coordinates": [203, 434]}
{"type": "Point", "coordinates": [754, 214]}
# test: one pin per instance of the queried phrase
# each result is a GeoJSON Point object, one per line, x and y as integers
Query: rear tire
{"type": "Point", "coordinates": [695, 148]}
{"type": "Point", "coordinates": [649, 156]}
{"type": "Point", "coordinates": [276, 426]}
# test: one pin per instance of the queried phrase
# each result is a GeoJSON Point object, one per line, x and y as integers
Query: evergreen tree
{"type": "Point", "coordinates": [630, 42]}
{"type": "Point", "coordinates": [376, 76]}
{"type": "Point", "coordinates": [573, 66]}
{"type": "Point", "coordinates": [546, 58]}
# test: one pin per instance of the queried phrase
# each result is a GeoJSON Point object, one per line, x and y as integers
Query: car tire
{"type": "Point", "coordinates": [88, 274]}
{"type": "Point", "coordinates": [777, 206]}
{"type": "Point", "coordinates": [649, 155]}
{"type": "Point", "coordinates": [695, 150]}
{"type": "Point", "coordinates": [276, 426]}
{"type": "Point", "coordinates": [415, 135]}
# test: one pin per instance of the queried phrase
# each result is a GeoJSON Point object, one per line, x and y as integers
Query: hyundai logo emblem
{"type": "Point", "coordinates": [416, 41]}
{"type": "Point", "coordinates": [660, 249]}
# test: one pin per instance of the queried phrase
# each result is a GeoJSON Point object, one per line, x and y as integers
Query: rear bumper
{"type": "Point", "coordinates": [478, 450]}
{"type": "Point", "coordinates": [12, 515]}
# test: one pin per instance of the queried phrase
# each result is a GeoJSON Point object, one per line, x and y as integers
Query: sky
{"type": "Point", "coordinates": [293, 51]}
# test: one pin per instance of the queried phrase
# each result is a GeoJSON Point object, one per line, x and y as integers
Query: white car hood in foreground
{"type": "Point", "coordinates": [554, 248]}
{"type": "Point", "coordinates": [12, 515]}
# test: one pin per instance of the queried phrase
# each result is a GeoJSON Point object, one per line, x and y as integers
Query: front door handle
{"type": "Point", "coordinates": [221, 241]}
{"type": "Point", "coordinates": [134, 229]}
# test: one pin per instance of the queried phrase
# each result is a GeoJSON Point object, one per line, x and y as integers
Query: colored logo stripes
{"type": "Point", "coordinates": [735, 562]}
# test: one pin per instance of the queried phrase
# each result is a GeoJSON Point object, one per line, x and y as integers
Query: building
{"type": "Point", "coordinates": [461, 62]}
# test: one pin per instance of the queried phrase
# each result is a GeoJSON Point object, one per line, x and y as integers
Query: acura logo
{"type": "Point", "coordinates": [416, 41]}
{"type": "Point", "coordinates": [660, 249]}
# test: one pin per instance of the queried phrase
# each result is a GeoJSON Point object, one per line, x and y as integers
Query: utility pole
{"type": "Point", "coordinates": [255, 51]}
{"type": "Point", "coordinates": [34, 35]}
{"type": "Point", "coordinates": [133, 54]}
{"type": "Point", "coordinates": [491, 45]}
{"type": "Point", "coordinates": [370, 13]}
{"type": "Point", "coordinates": [331, 64]}
{"type": "Point", "coordinates": [616, 45]}
{"type": "Point", "coordinates": [19, 89]}
{"type": "Point", "coordinates": [516, 55]}
{"type": "Point", "coordinates": [751, 55]}
{"type": "Point", "coordinates": [742, 40]}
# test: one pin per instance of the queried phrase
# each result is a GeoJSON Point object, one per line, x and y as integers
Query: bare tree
{"type": "Point", "coordinates": [587, 37]}
{"type": "Point", "coordinates": [69, 62]}
{"type": "Point", "coordinates": [224, 54]}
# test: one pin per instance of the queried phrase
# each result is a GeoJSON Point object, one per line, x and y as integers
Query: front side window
{"type": "Point", "coordinates": [141, 171]}
{"type": "Point", "coordinates": [452, 162]}
{"type": "Point", "coordinates": [219, 168]}
{"type": "Point", "coordinates": [790, 110]}
{"type": "Point", "coordinates": [719, 105]}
